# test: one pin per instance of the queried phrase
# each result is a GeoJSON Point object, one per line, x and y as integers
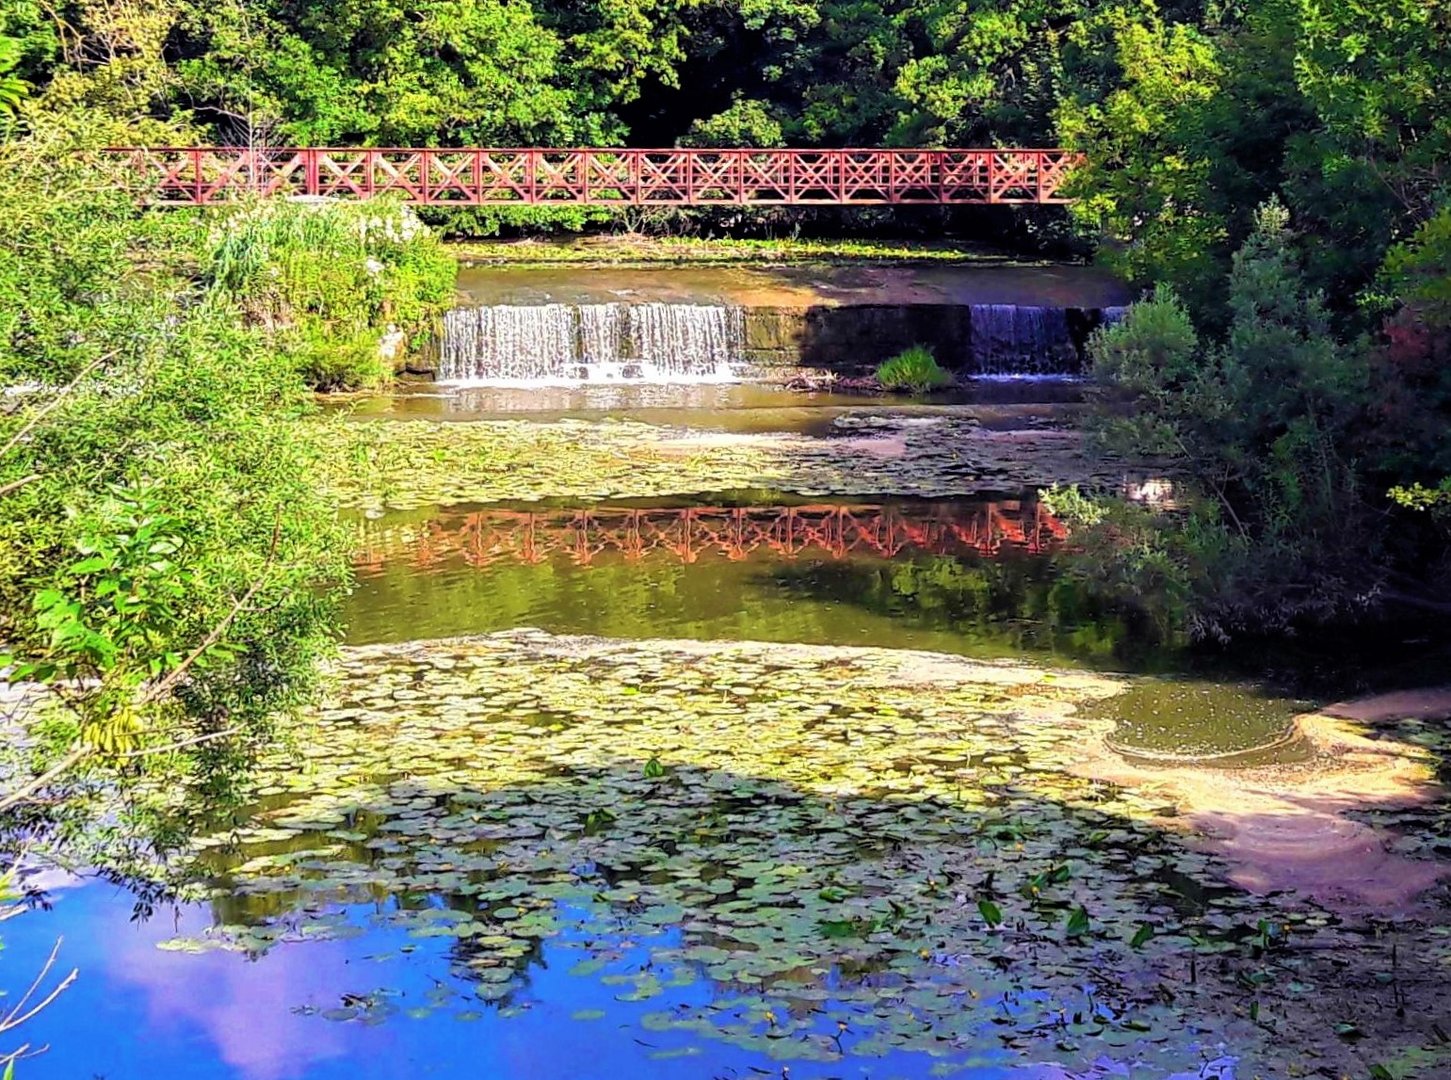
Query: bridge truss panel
{"type": "Point", "coordinates": [200, 176]}
{"type": "Point", "coordinates": [834, 532]}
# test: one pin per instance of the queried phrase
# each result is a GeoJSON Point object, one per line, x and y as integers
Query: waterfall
{"type": "Point", "coordinates": [649, 342]}
{"type": "Point", "coordinates": [1014, 339]}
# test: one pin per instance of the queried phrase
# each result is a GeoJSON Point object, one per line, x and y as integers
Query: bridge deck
{"type": "Point", "coordinates": [203, 175]}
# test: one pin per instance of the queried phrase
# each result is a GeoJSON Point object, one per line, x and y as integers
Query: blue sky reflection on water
{"type": "Point", "coordinates": [141, 1011]}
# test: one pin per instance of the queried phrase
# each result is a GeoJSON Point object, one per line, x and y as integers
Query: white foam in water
{"type": "Point", "coordinates": [572, 344]}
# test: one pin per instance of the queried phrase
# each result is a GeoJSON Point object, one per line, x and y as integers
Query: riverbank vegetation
{"type": "Point", "coordinates": [346, 290]}
{"type": "Point", "coordinates": [1315, 463]}
{"type": "Point", "coordinates": [914, 370]}
{"type": "Point", "coordinates": [635, 249]}
{"type": "Point", "coordinates": [168, 564]}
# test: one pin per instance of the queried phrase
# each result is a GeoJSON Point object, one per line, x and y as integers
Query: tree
{"type": "Point", "coordinates": [1149, 185]}
{"type": "Point", "coordinates": [167, 562]}
{"type": "Point", "coordinates": [1375, 73]}
{"type": "Point", "coordinates": [1279, 531]}
{"type": "Point", "coordinates": [1412, 371]}
{"type": "Point", "coordinates": [477, 72]}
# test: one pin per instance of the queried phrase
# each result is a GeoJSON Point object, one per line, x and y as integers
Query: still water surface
{"type": "Point", "coordinates": [368, 997]}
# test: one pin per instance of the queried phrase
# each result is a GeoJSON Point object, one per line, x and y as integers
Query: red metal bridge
{"type": "Point", "coordinates": [735, 533]}
{"type": "Point", "coordinates": [203, 175]}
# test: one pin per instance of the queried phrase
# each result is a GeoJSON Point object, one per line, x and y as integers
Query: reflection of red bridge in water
{"type": "Point", "coordinates": [832, 532]}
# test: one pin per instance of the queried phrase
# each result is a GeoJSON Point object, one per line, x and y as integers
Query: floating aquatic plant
{"type": "Point", "coordinates": [853, 852]}
{"type": "Point", "coordinates": [410, 464]}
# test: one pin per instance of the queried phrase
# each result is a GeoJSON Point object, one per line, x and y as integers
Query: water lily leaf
{"type": "Point", "coordinates": [1077, 923]}
{"type": "Point", "coordinates": [991, 913]}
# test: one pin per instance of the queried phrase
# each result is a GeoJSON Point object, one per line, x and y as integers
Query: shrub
{"type": "Point", "coordinates": [330, 280]}
{"type": "Point", "coordinates": [915, 370]}
{"type": "Point", "coordinates": [166, 561]}
{"type": "Point", "coordinates": [1274, 529]}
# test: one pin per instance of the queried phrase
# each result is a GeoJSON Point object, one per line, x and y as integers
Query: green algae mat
{"type": "Point", "coordinates": [400, 465]}
{"type": "Point", "coordinates": [810, 856]}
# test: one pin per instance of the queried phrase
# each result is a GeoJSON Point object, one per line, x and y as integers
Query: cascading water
{"type": "Point", "coordinates": [648, 342]}
{"type": "Point", "coordinates": [1019, 340]}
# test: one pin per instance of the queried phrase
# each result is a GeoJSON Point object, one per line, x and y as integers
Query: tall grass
{"type": "Point", "coordinates": [915, 370]}
{"type": "Point", "coordinates": [331, 279]}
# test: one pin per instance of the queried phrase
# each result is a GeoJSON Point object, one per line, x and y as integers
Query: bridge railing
{"type": "Point", "coordinates": [202, 175]}
{"type": "Point", "coordinates": [485, 537]}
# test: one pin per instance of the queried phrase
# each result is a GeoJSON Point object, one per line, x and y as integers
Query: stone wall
{"type": "Point", "coordinates": [856, 338]}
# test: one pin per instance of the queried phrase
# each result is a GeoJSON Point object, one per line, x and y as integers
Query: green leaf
{"type": "Point", "coordinates": [1141, 936]}
{"type": "Point", "coordinates": [1077, 924]}
{"type": "Point", "coordinates": [991, 913]}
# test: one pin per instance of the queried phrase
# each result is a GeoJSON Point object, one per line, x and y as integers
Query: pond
{"type": "Point", "coordinates": [663, 747]}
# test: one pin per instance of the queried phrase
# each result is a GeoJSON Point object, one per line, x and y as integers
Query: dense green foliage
{"type": "Point", "coordinates": [1288, 439]}
{"type": "Point", "coordinates": [344, 288]}
{"type": "Point", "coordinates": [164, 552]}
{"type": "Point", "coordinates": [12, 88]}
{"type": "Point", "coordinates": [1341, 110]}
{"type": "Point", "coordinates": [914, 369]}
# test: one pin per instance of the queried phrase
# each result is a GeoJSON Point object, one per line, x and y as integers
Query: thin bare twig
{"type": "Point", "coordinates": [16, 1055]}
{"type": "Point", "coordinates": [15, 485]}
{"type": "Point", "coordinates": [64, 765]}
{"type": "Point", "coordinates": [13, 1019]}
{"type": "Point", "coordinates": [60, 988]}
{"type": "Point", "coordinates": [80, 753]}
{"type": "Point", "coordinates": [151, 751]}
{"type": "Point", "coordinates": [7, 1021]}
{"type": "Point", "coordinates": [18, 1014]}
{"type": "Point", "coordinates": [51, 405]}
{"type": "Point", "coordinates": [159, 690]}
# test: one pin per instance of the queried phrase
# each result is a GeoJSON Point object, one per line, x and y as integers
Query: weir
{"type": "Point", "coordinates": [541, 325]}
{"type": "Point", "coordinates": [666, 342]}
{"type": "Point", "coordinates": [1009, 339]}
{"type": "Point", "coordinates": [649, 342]}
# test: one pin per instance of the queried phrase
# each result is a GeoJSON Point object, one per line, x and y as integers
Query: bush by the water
{"type": "Point", "coordinates": [344, 288]}
{"type": "Point", "coordinates": [914, 370]}
{"type": "Point", "coordinates": [1293, 450]}
{"type": "Point", "coordinates": [166, 561]}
